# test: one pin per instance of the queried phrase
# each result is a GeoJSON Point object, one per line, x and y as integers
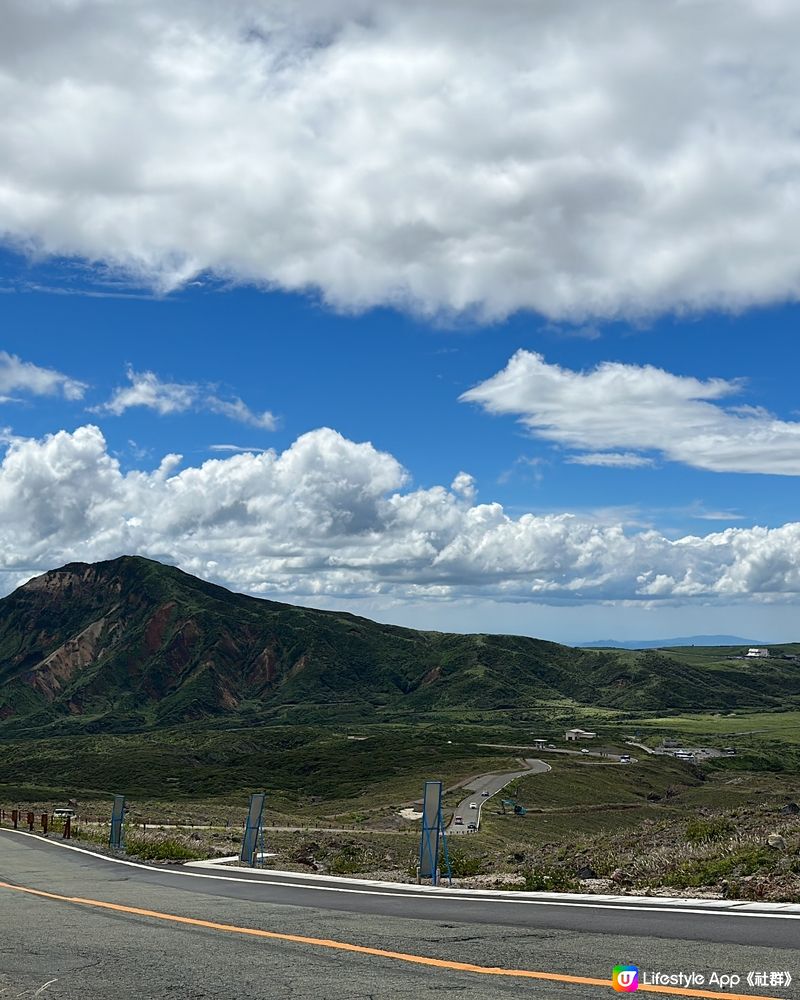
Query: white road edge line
{"type": "Point", "coordinates": [736, 908]}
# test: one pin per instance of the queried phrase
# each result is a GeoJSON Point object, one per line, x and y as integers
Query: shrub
{"type": "Point", "coordinates": [550, 880]}
{"type": "Point", "coordinates": [699, 831]}
{"type": "Point", "coordinates": [710, 871]}
{"type": "Point", "coordinates": [160, 848]}
{"type": "Point", "coordinates": [463, 865]}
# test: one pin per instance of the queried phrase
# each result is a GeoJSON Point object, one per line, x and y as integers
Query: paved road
{"type": "Point", "coordinates": [225, 936]}
{"type": "Point", "coordinates": [491, 783]}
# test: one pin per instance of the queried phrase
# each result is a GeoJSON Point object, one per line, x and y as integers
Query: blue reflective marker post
{"type": "Point", "coordinates": [433, 834]}
{"type": "Point", "coordinates": [253, 839]}
{"type": "Point", "coordinates": [117, 836]}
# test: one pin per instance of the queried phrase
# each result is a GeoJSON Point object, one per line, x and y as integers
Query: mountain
{"type": "Point", "coordinates": [131, 644]}
{"type": "Point", "coordinates": [685, 640]}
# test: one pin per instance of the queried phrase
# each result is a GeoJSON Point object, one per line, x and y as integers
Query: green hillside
{"type": "Point", "coordinates": [131, 645]}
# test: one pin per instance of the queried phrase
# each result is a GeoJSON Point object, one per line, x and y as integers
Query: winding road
{"type": "Point", "coordinates": [78, 925]}
{"type": "Point", "coordinates": [491, 783]}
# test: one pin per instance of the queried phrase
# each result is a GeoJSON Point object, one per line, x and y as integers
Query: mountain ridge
{"type": "Point", "coordinates": [132, 644]}
{"type": "Point", "coordinates": [684, 640]}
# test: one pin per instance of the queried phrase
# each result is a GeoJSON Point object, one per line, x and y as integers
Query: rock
{"type": "Point", "coordinates": [791, 809]}
{"type": "Point", "coordinates": [585, 871]}
{"type": "Point", "coordinates": [776, 841]}
{"type": "Point", "coordinates": [621, 877]}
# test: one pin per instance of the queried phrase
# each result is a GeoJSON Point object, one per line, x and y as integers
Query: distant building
{"type": "Point", "coordinates": [759, 651]}
{"type": "Point", "coordinates": [539, 743]}
{"type": "Point", "coordinates": [573, 735]}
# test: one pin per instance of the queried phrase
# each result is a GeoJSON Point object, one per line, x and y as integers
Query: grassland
{"type": "Point", "coordinates": [781, 726]}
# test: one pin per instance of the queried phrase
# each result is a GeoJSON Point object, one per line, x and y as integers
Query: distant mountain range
{"type": "Point", "coordinates": [684, 640]}
{"type": "Point", "coordinates": [131, 644]}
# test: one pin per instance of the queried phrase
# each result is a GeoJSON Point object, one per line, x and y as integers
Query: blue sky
{"type": "Point", "coordinates": [618, 305]}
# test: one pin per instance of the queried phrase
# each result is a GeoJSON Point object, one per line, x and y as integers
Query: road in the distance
{"type": "Point", "coordinates": [491, 783]}
{"type": "Point", "coordinates": [74, 948]}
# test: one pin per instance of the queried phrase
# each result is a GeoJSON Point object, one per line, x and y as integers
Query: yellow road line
{"type": "Point", "coordinates": [439, 963]}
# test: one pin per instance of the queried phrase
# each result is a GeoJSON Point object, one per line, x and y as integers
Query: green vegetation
{"type": "Point", "coordinates": [130, 676]}
{"type": "Point", "coordinates": [700, 831]}
{"type": "Point", "coordinates": [131, 645]}
{"type": "Point", "coordinates": [150, 847]}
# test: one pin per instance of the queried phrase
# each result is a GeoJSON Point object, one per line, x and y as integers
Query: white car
{"type": "Point", "coordinates": [473, 805]}
{"type": "Point", "coordinates": [584, 750]}
{"type": "Point", "coordinates": [458, 821]}
{"type": "Point", "coordinates": [485, 795]}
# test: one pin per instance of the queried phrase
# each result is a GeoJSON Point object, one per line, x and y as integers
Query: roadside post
{"type": "Point", "coordinates": [31, 821]}
{"type": "Point", "coordinates": [67, 834]}
{"type": "Point", "coordinates": [15, 817]}
{"type": "Point", "coordinates": [252, 853]}
{"type": "Point", "coordinates": [117, 835]}
{"type": "Point", "coordinates": [433, 835]}
{"type": "Point", "coordinates": [45, 821]}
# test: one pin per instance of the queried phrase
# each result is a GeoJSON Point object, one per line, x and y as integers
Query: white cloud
{"type": "Point", "coordinates": [578, 158]}
{"type": "Point", "coordinates": [640, 408]}
{"type": "Point", "coordinates": [146, 389]}
{"type": "Point", "coordinates": [235, 409]}
{"type": "Point", "coordinates": [330, 519]}
{"type": "Point", "coordinates": [17, 375]}
{"type": "Point", "coordinates": [612, 459]}
{"type": "Point", "coordinates": [232, 448]}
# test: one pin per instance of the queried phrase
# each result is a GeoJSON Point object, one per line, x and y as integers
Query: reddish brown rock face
{"type": "Point", "coordinates": [154, 634]}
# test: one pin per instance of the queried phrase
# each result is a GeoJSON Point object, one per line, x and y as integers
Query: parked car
{"type": "Point", "coordinates": [485, 795]}
{"type": "Point", "coordinates": [472, 826]}
{"type": "Point", "coordinates": [65, 813]}
{"type": "Point", "coordinates": [458, 821]}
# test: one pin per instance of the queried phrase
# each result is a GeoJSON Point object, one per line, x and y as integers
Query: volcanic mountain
{"type": "Point", "coordinates": [133, 644]}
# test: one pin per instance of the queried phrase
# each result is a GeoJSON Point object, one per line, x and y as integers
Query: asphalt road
{"type": "Point", "coordinates": [226, 935]}
{"type": "Point", "coordinates": [491, 783]}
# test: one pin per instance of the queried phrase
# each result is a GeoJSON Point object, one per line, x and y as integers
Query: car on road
{"type": "Point", "coordinates": [584, 750]}
{"type": "Point", "coordinates": [551, 746]}
{"type": "Point", "coordinates": [485, 794]}
{"type": "Point", "coordinates": [458, 821]}
{"type": "Point", "coordinates": [473, 805]}
{"type": "Point", "coordinates": [625, 758]}
{"type": "Point", "coordinates": [472, 826]}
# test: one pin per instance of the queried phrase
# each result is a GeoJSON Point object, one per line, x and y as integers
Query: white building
{"type": "Point", "coordinates": [757, 651]}
{"type": "Point", "coordinates": [573, 735]}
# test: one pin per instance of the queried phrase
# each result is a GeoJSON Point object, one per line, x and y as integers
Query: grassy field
{"type": "Point", "coordinates": [308, 773]}
{"type": "Point", "coordinates": [665, 824]}
{"type": "Point", "coordinates": [781, 726]}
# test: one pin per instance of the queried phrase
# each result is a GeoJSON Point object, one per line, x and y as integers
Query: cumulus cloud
{"type": "Point", "coordinates": [148, 390]}
{"type": "Point", "coordinates": [640, 408]}
{"type": "Point", "coordinates": [333, 518]}
{"type": "Point", "coordinates": [17, 375]}
{"type": "Point", "coordinates": [577, 158]}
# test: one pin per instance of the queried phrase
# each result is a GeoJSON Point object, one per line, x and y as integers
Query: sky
{"type": "Point", "coordinates": [466, 318]}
